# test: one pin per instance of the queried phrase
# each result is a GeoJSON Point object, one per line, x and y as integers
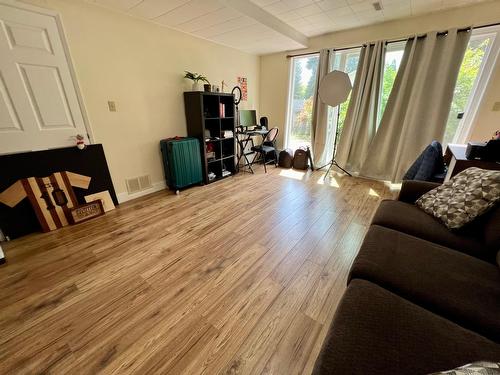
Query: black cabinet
{"type": "Point", "coordinates": [210, 117]}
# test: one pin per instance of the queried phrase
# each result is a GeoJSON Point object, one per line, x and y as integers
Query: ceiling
{"type": "Point", "coordinates": [266, 26]}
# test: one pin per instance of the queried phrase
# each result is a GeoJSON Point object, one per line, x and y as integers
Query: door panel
{"type": "Point", "coordinates": [46, 93]}
{"type": "Point", "coordinates": [38, 98]}
{"type": "Point", "coordinates": [9, 122]}
{"type": "Point", "coordinates": [22, 36]}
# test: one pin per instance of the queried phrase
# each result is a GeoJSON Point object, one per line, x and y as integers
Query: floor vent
{"type": "Point", "coordinates": [133, 185]}
{"type": "Point", "coordinates": [137, 184]}
{"type": "Point", "coordinates": [145, 182]}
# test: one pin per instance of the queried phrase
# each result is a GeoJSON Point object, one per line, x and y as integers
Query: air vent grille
{"type": "Point", "coordinates": [377, 5]}
{"type": "Point", "coordinates": [133, 185]}
{"type": "Point", "coordinates": [145, 182]}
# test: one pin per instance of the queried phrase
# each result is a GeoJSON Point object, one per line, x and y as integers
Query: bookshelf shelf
{"type": "Point", "coordinates": [204, 119]}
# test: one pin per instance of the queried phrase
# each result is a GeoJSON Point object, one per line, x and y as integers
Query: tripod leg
{"type": "Point", "coordinates": [339, 167]}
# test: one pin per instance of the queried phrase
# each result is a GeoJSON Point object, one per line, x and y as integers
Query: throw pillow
{"type": "Point", "coordinates": [466, 196]}
{"type": "Point", "coordinates": [476, 368]}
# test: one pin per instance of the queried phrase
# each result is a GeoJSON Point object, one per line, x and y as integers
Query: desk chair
{"type": "Point", "coordinates": [267, 147]}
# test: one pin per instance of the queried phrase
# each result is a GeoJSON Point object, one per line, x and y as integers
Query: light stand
{"type": "Point", "coordinates": [334, 90]}
{"type": "Point", "coordinates": [333, 162]}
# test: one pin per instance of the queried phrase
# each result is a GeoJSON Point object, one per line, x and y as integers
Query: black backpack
{"type": "Point", "coordinates": [301, 158]}
{"type": "Point", "coordinates": [285, 159]}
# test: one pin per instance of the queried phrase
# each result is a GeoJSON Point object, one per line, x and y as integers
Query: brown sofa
{"type": "Point", "coordinates": [420, 298]}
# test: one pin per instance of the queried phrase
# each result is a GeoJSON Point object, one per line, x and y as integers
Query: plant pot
{"type": "Point", "coordinates": [196, 86]}
{"type": "Point", "coordinates": [207, 87]}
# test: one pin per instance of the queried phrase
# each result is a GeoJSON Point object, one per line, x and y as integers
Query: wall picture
{"type": "Point", "coordinates": [104, 197]}
{"type": "Point", "coordinates": [243, 83]}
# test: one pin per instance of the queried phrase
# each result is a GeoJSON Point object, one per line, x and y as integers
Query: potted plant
{"type": "Point", "coordinates": [196, 78]}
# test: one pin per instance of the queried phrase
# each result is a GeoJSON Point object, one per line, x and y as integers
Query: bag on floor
{"type": "Point", "coordinates": [285, 158]}
{"type": "Point", "coordinates": [301, 158]}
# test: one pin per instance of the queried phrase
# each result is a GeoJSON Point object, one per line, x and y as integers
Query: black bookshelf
{"type": "Point", "coordinates": [207, 121]}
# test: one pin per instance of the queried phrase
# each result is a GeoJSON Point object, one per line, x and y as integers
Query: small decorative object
{"type": "Point", "coordinates": [222, 110]}
{"type": "Point", "coordinates": [217, 89]}
{"type": "Point", "coordinates": [80, 142]}
{"type": "Point", "coordinates": [211, 176]}
{"type": "Point", "coordinates": [496, 135]}
{"type": "Point", "coordinates": [222, 85]}
{"type": "Point", "coordinates": [207, 87]}
{"type": "Point", "coordinates": [104, 197]}
{"type": "Point", "coordinates": [243, 84]}
{"type": "Point", "coordinates": [196, 78]}
{"type": "Point", "coordinates": [87, 211]}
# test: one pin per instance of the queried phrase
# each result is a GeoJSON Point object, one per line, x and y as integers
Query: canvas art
{"type": "Point", "coordinates": [51, 197]}
{"type": "Point", "coordinates": [243, 83]}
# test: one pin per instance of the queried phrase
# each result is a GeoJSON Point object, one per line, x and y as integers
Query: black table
{"type": "Point", "coordinates": [243, 137]}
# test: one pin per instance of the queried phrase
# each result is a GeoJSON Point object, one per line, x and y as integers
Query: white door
{"type": "Point", "coordinates": [39, 107]}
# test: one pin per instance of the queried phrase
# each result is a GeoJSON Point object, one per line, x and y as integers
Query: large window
{"type": "Point", "coordinates": [302, 87]}
{"type": "Point", "coordinates": [392, 61]}
{"type": "Point", "coordinates": [474, 73]}
{"type": "Point", "coordinates": [469, 87]}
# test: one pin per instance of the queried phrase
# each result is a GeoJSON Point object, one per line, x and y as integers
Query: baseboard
{"type": "Point", "coordinates": [157, 186]}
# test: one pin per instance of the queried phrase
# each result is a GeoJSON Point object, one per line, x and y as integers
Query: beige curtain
{"type": "Point", "coordinates": [320, 114]}
{"type": "Point", "coordinates": [360, 123]}
{"type": "Point", "coordinates": [419, 103]}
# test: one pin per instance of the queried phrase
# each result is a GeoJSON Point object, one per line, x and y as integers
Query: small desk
{"type": "Point", "coordinates": [456, 161]}
{"type": "Point", "coordinates": [243, 138]}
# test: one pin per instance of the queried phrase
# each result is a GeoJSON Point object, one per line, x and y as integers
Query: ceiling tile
{"type": "Point", "coordinates": [294, 4]}
{"type": "Point", "coordinates": [309, 10]}
{"type": "Point", "coordinates": [363, 6]}
{"type": "Point", "coordinates": [226, 27]}
{"type": "Point", "coordinates": [340, 12]}
{"type": "Point", "coordinates": [118, 4]}
{"type": "Point", "coordinates": [278, 8]}
{"type": "Point", "coordinates": [210, 19]}
{"type": "Point", "coordinates": [188, 11]}
{"type": "Point", "coordinates": [153, 8]}
{"type": "Point", "coordinates": [331, 4]}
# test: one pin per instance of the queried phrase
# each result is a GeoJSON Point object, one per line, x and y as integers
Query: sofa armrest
{"type": "Point", "coordinates": [411, 190]}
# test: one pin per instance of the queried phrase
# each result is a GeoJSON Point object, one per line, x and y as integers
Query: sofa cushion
{"type": "Point", "coordinates": [476, 368]}
{"type": "Point", "coordinates": [456, 286]}
{"type": "Point", "coordinates": [376, 332]}
{"type": "Point", "coordinates": [465, 197]}
{"type": "Point", "coordinates": [409, 219]}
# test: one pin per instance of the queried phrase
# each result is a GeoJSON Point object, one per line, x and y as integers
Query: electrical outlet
{"type": "Point", "coordinates": [112, 106]}
{"type": "Point", "coordinates": [496, 106]}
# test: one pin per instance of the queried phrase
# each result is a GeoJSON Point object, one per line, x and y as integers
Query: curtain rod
{"type": "Point", "coordinates": [390, 41]}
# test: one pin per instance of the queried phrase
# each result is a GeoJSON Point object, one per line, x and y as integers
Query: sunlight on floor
{"type": "Point", "coordinates": [290, 173]}
{"type": "Point", "coordinates": [373, 193]}
{"type": "Point", "coordinates": [329, 181]}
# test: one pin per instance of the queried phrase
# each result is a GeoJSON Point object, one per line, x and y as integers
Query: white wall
{"type": "Point", "coordinates": [139, 65]}
{"type": "Point", "coordinates": [275, 68]}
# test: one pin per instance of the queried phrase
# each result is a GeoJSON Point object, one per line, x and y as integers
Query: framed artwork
{"type": "Point", "coordinates": [104, 197]}
{"type": "Point", "coordinates": [243, 83]}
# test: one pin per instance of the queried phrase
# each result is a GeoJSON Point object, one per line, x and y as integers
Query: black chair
{"type": "Point", "coordinates": [429, 166]}
{"type": "Point", "coordinates": [268, 147]}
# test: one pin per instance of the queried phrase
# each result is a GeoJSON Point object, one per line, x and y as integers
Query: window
{"type": "Point", "coordinates": [392, 61]}
{"type": "Point", "coordinates": [302, 87]}
{"type": "Point", "coordinates": [472, 78]}
{"type": "Point", "coordinates": [345, 61]}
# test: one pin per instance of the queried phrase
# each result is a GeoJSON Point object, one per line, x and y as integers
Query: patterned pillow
{"type": "Point", "coordinates": [476, 368]}
{"type": "Point", "coordinates": [466, 196]}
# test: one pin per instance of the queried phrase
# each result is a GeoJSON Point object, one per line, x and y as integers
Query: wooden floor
{"type": "Point", "coordinates": [242, 277]}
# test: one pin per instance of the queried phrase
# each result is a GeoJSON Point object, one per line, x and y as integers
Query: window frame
{"type": "Point", "coordinates": [291, 86]}
{"type": "Point", "coordinates": [486, 69]}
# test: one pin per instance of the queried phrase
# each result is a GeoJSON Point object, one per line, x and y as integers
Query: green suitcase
{"type": "Point", "coordinates": [181, 162]}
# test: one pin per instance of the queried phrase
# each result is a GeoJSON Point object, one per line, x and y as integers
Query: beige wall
{"type": "Point", "coordinates": [275, 67]}
{"type": "Point", "coordinates": [139, 65]}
